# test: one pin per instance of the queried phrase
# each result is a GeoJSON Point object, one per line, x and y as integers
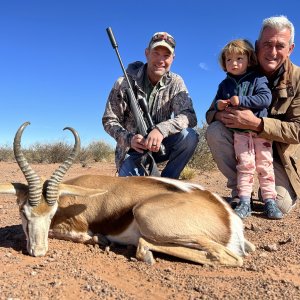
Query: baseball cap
{"type": "Point", "coordinates": [162, 39]}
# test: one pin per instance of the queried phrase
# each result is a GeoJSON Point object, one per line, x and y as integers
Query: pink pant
{"type": "Point", "coordinates": [254, 153]}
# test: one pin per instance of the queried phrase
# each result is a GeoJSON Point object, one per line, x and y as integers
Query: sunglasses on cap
{"type": "Point", "coordinates": [163, 37]}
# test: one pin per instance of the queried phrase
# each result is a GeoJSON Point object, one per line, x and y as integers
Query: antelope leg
{"type": "Point", "coordinates": [217, 255]}
{"type": "Point", "coordinates": [80, 237]}
{"type": "Point", "coordinates": [249, 247]}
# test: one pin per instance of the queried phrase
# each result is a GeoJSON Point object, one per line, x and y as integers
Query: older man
{"type": "Point", "coordinates": [170, 108]}
{"type": "Point", "coordinates": [274, 47]}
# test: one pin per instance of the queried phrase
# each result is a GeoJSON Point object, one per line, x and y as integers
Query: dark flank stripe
{"type": "Point", "coordinates": [114, 225]}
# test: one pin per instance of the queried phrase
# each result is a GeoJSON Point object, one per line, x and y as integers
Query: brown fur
{"type": "Point", "coordinates": [115, 212]}
{"type": "Point", "coordinates": [194, 224]}
{"type": "Point", "coordinates": [118, 202]}
{"type": "Point", "coordinates": [199, 204]}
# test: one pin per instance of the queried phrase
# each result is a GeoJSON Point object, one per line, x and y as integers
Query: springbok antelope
{"type": "Point", "coordinates": [159, 214]}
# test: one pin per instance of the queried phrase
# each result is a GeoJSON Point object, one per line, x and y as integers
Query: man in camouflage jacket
{"type": "Point", "coordinates": [282, 126]}
{"type": "Point", "coordinates": [169, 105]}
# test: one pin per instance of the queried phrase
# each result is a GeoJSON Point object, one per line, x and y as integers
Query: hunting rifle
{"type": "Point", "coordinates": [140, 113]}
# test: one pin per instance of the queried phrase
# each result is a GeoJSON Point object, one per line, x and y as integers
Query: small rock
{"type": "Point", "coordinates": [271, 247]}
{"type": "Point", "coordinates": [252, 268]}
{"type": "Point", "coordinates": [263, 254]}
{"type": "Point", "coordinates": [290, 239]}
{"type": "Point", "coordinates": [133, 259]}
{"type": "Point", "coordinates": [88, 287]}
{"type": "Point", "coordinates": [50, 259]}
{"type": "Point", "coordinates": [255, 227]}
{"type": "Point", "coordinates": [169, 278]}
{"type": "Point", "coordinates": [198, 289]}
{"type": "Point", "coordinates": [55, 283]}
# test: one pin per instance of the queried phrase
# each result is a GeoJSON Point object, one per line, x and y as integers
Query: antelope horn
{"type": "Point", "coordinates": [34, 181]}
{"type": "Point", "coordinates": [57, 176]}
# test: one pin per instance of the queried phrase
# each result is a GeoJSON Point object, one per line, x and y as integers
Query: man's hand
{"type": "Point", "coordinates": [242, 119]}
{"type": "Point", "coordinates": [151, 143]}
{"type": "Point", "coordinates": [153, 140]}
{"type": "Point", "coordinates": [137, 143]}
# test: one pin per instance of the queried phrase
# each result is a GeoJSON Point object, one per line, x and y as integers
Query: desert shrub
{"type": "Point", "coordinates": [188, 173]}
{"type": "Point", "coordinates": [202, 159]}
{"type": "Point", "coordinates": [47, 153]}
{"type": "Point", "coordinates": [36, 153]}
{"type": "Point", "coordinates": [101, 151]}
{"type": "Point", "coordinates": [6, 153]}
{"type": "Point", "coordinates": [97, 151]}
{"type": "Point", "coordinates": [58, 152]}
{"type": "Point", "coordinates": [84, 156]}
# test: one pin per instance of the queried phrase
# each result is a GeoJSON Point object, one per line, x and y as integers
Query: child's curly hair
{"type": "Point", "coordinates": [239, 46]}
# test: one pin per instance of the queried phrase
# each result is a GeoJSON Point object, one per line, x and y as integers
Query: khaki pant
{"type": "Point", "coordinates": [220, 142]}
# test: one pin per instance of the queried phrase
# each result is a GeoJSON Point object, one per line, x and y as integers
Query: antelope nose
{"type": "Point", "coordinates": [39, 250]}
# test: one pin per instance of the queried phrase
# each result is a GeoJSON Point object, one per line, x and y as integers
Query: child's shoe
{"type": "Point", "coordinates": [271, 210]}
{"type": "Point", "coordinates": [243, 209]}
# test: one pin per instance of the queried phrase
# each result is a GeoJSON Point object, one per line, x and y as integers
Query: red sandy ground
{"type": "Point", "coordinates": [76, 271]}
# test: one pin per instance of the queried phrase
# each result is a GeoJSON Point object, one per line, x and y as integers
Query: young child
{"type": "Point", "coordinates": [243, 87]}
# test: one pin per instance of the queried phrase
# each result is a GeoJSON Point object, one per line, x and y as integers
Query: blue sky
{"type": "Point", "coordinates": [57, 65]}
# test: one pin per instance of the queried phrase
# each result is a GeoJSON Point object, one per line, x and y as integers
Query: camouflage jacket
{"type": "Point", "coordinates": [172, 110]}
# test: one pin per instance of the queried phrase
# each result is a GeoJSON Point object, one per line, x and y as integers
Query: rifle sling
{"type": "Point", "coordinates": [148, 163]}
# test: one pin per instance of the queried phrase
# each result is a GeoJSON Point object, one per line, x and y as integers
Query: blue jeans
{"type": "Point", "coordinates": [179, 149]}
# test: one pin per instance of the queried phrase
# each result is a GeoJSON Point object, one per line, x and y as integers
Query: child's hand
{"type": "Point", "coordinates": [234, 101]}
{"type": "Point", "coordinates": [222, 104]}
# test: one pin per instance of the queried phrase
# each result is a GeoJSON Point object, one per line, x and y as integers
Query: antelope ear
{"type": "Point", "coordinates": [74, 190]}
{"type": "Point", "coordinates": [12, 188]}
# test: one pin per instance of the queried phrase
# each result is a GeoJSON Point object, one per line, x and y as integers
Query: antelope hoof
{"type": "Point", "coordinates": [249, 247]}
{"type": "Point", "coordinates": [225, 258]}
{"type": "Point", "coordinates": [144, 254]}
{"type": "Point", "coordinates": [101, 240]}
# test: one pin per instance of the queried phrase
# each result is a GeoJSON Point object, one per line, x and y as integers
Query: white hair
{"type": "Point", "coordinates": [280, 23]}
